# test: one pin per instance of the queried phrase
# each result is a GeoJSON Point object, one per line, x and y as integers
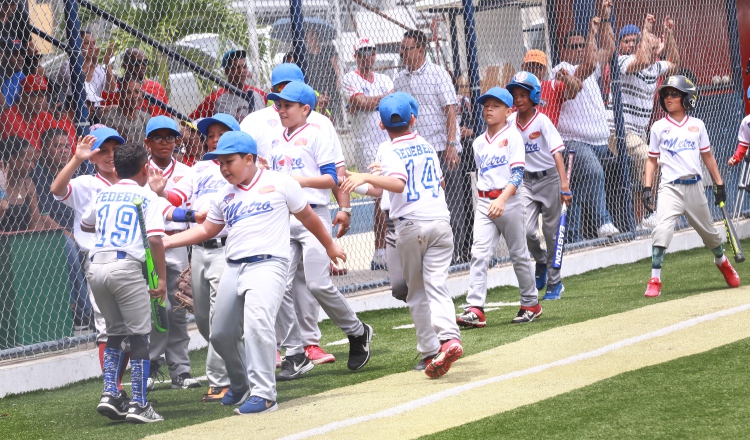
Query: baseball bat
{"type": "Point", "coordinates": [158, 305]}
{"type": "Point", "coordinates": [734, 243]}
{"type": "Point", "coordinates": [563, 225]}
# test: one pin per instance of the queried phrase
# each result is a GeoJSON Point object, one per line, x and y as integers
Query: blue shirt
{"type": "Point", "coordinates": [12, 87]}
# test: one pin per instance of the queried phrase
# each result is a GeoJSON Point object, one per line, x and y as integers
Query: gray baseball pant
{"type": "Point", "coordinates": [399, 290]}
{"type": "Point", "coordinates": [675, 200]}
{"type": "Point", "coordinates": [511, 225]}
{"type": "Point", "coordinates": [207, 267]}
{"type": "Point", "coordinates": [425, 249]}
{"type": "Point", "coordinates": [247, 304]}
{"type": "Point", "coordinates": [542, 196]}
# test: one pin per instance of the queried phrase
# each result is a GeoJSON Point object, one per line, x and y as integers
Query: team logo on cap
{"type": "Point", "coordinates": [228, 198]}
{"type": "Point", "coordinates": [301, 142]}
{"type": "Point", "coordinates": [535, 135]}
{"type": "Point", "coordinates": [273, 122]}
{"type": "Point", "coordinates": [267, 189]}
{"type": "Point", "coordinates": [694, 129]}
{"type": "Point", "coordinates": [520, 76]}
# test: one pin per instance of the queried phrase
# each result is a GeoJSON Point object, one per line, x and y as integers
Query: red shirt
{"type": "Point", "coordinates": [12, 123]}
{"type": "Point", "coordinates": [206, 108]}
{"type": "Point", "coordinates": [151, 87]}
{"type": "Point", "coordinates": [553, 96]}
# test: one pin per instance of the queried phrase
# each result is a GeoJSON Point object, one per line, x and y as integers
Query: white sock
{"type": "Point", "coordinates": [721, 260]}
{"type": "Point", "coordinates": [379, 254]}
{"type": "Point", "coordinates": [656, 273]}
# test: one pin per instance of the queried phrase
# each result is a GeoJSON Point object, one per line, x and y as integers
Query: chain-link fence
{"type": "Point", "coordinates": [141, 59]}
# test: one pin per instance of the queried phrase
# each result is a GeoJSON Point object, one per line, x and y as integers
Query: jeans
{"type": "Point", "coordinates": [587, 184]}
{"type": "Point", "coordinates": [79, 295]}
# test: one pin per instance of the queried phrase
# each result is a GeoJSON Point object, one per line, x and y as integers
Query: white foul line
{"type": "Point", "coordinates": [414, 404]}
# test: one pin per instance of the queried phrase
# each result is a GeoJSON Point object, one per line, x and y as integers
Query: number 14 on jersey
{"type": "Point", "coordinates": [430, 181]}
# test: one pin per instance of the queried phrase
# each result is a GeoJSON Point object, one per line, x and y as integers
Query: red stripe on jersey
{"type": "Point", "coordinates": [673, 122]}
{"type": "Point", "coordinates": [166, 210]}
{"type": "Point", "coordinates": [487, 134]}
{"type": "Point", "coordinates": [252, 182]}
{"type": "Point", "coordinates": [706, 149]}
{"type": "Point", "coordinates": [514, 164]}
{"type": "Point", "coordinates": [70, 191]}
{"type": "Point", "coordinates": [299, 130]}
{"type": "Point", "coordinates": [106, 182]}
{"type": "Point", "coordinates": [406, 137]}
{"type": "Point", "coordinates": [558, 148]}
{"type": "Point", "coordinates": [154, 231]}
{"type": "Point", "coordinates": [399, 175]}
{"type": "Point", "coordinates": [536, 112]}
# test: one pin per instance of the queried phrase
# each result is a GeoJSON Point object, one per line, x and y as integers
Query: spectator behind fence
{"type": "Point", "coordinates": [365, 89]}
{"type": "Point", "coordinates": [31, 60]}
{"type": "Point", "coordinates": [14, 22]}
{"type": "Point", "coordinates": [127, 117]}
{"type": "Point", "coordinates": [553, 90]}
{"type": "Point", "coordinates": [192, 142]}
{"type": "Point", "coordinates": [323, 73]}
{"type": "Point", "coordinates": [22, 214]}
{"type": "Point", "coordinates": [135, 65]}
{"type": "Point", "coordinates": [11, 63]}
{"type": "Point", "coordinates": [433, 89]}
{"type": "Point", "coordinates": [583, 123]}
{"type": "Point", "coordinates": [55, 152]}
{"type": "Point", "coordinates": [98, 78]}
{"type": "Point", "coordinates": [28, 118]}
{"type": "Point", "coordinates": [640, 71]}
{"type": "Point", "coordinates": [237, 73]}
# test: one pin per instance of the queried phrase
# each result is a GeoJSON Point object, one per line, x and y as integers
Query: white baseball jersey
{"type": "Point", "coordinates": [679, 146]}
{"type": "Point", "coordinates": [257, 215]}
{"type": "Point", "coordinates": [385, 199]}
{"type": "Point", "coordinates": [495, 157]}
{"type": "Point", "coordinates": [201, 185]}
{"type": "Point", "coordinates": [743, 136]}
{"type": "Point", "coordinates": [365, 124]}
{"type": "Point", "coordinates": [174, 172]}
{"type": "Point", "coordinates": [541, 141]}
{"type": "Point", "coordinates": [82, 192]}
{"type": "Point", "coordinates": [413, 160]}
{"type": "Point", "coordinates": [265, 126]}
{"type": "Point", "coordinates": [302, 153]}
{"type": "Point", "coordinates": [638, 91]}
{"type": "Point", "coordinates": [116, 218]}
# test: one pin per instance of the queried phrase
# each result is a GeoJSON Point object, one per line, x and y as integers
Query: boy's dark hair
{"type": "Point", "coordinates": [573, 33]}
{"type": "Point", "coordinates": [125, 79]}
{"type": "Point", "coordinates": [397, 130]}
{"type": "Point", "coordinates": [13, 146]}
{"type": "Point", "coordinates": [52, 133]}
{"type": "Point", "coordinates": [419, 37]}
{"type": "Point", "coordinates": [129, 160]}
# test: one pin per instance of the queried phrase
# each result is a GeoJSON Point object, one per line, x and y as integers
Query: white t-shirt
{"type": "Point", "coordinates": [264, 126]}
{"type": "Point", "coordinates": [638, 91]}
{"type": "Point", "coordinates": [583, 119]}
{"type": "Point", "coordinates": [743, 136]}
{"type": "Point", "coordinates": [116, 218]}
{"type": "Point", "coordinates": [496, 156]}
{"type": "Point", "coordinates": [678, 146]}
{"type": "Point", "coordinates": [413, 160]}
{"type": "Point", "coordinates": [302, 154]}
{"type": "Point", "coordinates": [82, 192]}
{"type": "Point", "coordinates": [257, 215]}
{"type": "Point", "coordinates": [174, 172]}
{"type": "Point", "coordinates": [541, 141]}
{"type": "Point", "coordinates": [366, 125]}
{"type": "Point", "coordinates": [202, 184]}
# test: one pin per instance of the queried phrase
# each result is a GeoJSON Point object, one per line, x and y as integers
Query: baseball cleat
{"type": "Point", "coordinates": [527, 314]}
{"type": "Point", "coordinates": [472, 317]}
{"type": "Point", "coordinates": [730, 275]}
{"type": "Point", "coordinates": [359, 349]}
{"type": "Point", "coordinates": [653, 288]}
{"type": "Point", "coordinates": [441, 363]}
{"type": "Point", "coordinates": [294, 366]}
{"type": "Point", "coordinates": [215, 394]}
{"type": "Point", "coordinates": [318, 356]}
{"type": "Point", "coordinates": [185, 381]}
{"type": "Point", "coordinates": [142, 414]}
{"type": "Point", "coordinates": [422, 365]}
{"type": "Point", "coordinates": [256, 405]}
{"type": "Point", "coordinates": [540, 274]}
{"type": "Point", "coordinates": [152, 377]}
{"type": "Point", "coordinates": [234, 398]}
{"type": "Point", "coordinates": [112, 407]}
{"type": "Point", "coordinates": [554, 291]}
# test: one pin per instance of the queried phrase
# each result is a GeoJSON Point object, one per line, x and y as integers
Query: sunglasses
{"type": "Point", "coordinates": [671, 94]}
{"type": "Point", "coordinates": [577, 46]}
{"type": "Point", "coordinates": [162, 139]}
{"type": "Point", "coordinates": [366, 52]}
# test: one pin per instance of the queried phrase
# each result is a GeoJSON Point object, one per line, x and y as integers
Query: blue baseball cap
{"type": "Point", "coordinates": [413, 104]}
{"type": "Point", "coordinates": [159, 122]}
{"type": "Point", "coordinates": [296, 91]}
{"type": "Point", "coordinates": [233, 142]}
{"type": "Point", "coordinates": [629, 29]}
{"type": "Point", "coordinates": [285, 73]}
{"type": "Point", "coordinates": [498, 93]}
{"type": "Point", "coordinates": [232, 55]}
{"type": "Point", "coordinates": [103, 134]}
{"type": "Point", "coordinates": [221, 118]}
{"type": "Point", "coordinates": [395, 104]}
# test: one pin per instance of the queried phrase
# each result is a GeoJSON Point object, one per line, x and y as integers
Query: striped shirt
{"type": "Point", "coordinates": [638, 91]}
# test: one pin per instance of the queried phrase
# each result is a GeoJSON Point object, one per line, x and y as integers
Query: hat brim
{"type": "Point", "coordinates": [120, 140]}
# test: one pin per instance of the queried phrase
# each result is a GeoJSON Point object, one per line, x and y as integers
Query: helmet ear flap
{"type": "Point", "coordinates": [688, 101]}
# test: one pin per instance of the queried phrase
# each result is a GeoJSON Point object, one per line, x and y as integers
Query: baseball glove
{"type": "Point", "coordinates": [184, 292]}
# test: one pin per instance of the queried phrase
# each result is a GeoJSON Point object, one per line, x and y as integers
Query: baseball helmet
{"type": "Point", "coordinates": [684, 85]}
{"type": "Point", "coordinates": [528, 81]}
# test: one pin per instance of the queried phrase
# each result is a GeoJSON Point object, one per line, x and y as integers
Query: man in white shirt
{"type": "Point", "coordinates": [365, 89]}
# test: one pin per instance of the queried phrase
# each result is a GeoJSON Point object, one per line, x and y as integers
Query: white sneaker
{"type": "Point", "coordinates": [608, 230]}
{"type": "Point", "coordinates": [649, 222]}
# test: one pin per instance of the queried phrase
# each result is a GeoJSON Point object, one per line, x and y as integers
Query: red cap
{"type": "Point", "coordinates": [34, 83]}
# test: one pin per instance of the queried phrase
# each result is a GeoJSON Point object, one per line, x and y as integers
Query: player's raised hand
{"type": "Point", "coordinates": [83, 149]}
{"type": "Point", "coordinates": [108, 54]}
{"type": "Point", "coordinates": [668, 24]}
{"type": "Point", "coordinates": [594, 26]}
{"type": "Point", "coordinates": [606, 10]}
{"type": "Point", "coordinates": [335, 253]}
{"type": "Point", "coordinates": [161, 289]}
{"type": "Point", "coordinates": [262, 163]}
{"type": "Point", "coordinates": [156, 180]}
{"type": "Point", "coordinates": [648, 23]}
{"type": "Point", "coordinates": [343, 220]}
{"type": "Point", "coordinates": [496, 209]}
{"type": "Point", "coordinates": [353, 180]}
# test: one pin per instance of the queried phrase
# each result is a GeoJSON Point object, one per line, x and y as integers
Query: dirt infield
{"type": "Point", "coordinates": [541, 366]}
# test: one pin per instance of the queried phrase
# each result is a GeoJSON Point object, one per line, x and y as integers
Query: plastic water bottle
{"type": "Point", "coordinates": [3, 186]}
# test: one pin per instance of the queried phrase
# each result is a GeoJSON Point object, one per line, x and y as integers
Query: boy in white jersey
{"type": "Point", "coordinates": [499, 154]}
{"type": "Point", "coordinates": [79, 194]}
{"type": "Point", "coordinates": [680, 142]}
{"type": "Point", "coordinates": [304, 152]}
{"type": "Point", "coordinates": [255, 208]}
{"type": "Point", "coordinates": [545, 183]}
{"type": "Point", "coordinates": [116, 278]}
{"type": "Point", "coordinates": [413, 178]}
{"type": "Point", "coordinates": [743, 142]}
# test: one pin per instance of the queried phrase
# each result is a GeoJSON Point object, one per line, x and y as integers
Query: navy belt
{"type": "Point", "coordinates": [313, 206]}
{"type": "Point", "coordinates": [214, 243]}
{"type": "Point", "coordinates": [121, 255]}
{"type": "Point", "coordinates": [253, 259]}
{"type": "Point", "coordinates": [690, 181]}
{"type": "Point", "coordinates": [536, 174]}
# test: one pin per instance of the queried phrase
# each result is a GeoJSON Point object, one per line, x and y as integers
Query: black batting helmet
{"type": "Point", "coordinates": [684, 85]}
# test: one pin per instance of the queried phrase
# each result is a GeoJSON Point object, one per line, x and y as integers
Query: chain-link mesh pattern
{"type": "Point", "coordinates": [142, 59]}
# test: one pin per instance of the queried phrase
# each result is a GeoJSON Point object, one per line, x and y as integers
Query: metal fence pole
{"type": "Point", "coordinates": [472, 63]}
{"type": "Point", "coordinates": [454, 43]}
{"type": "Point", "coordinates": [77, 78]}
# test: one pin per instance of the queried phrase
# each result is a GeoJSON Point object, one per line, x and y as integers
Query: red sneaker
{"type": "Point", "coordinates": [653, 288]}
{"type": "Point", "coordinates": [472, 317]}
{"type": "Point", "coordinates": [317, 356]}
{"type": "Point", "coordinates": [449, 353]}
{"type": "Point", "coordinates": [730, 275]}
{"type": "Point", "coordinates": [338, 271]}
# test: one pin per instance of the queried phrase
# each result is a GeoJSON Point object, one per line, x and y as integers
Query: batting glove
{"type": "Point", "coordinates": [648, 199]}
{"type": "Point", "coordinates": [720, 194]}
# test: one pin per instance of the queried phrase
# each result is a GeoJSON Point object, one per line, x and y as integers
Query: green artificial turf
{"type": "Point", "coordinates": [70, 412]}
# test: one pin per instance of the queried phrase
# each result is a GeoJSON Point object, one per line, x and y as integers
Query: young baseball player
{"type": "Point", "coordinates": [680, 141]}
{"type": "Point", "coordinates": [545, 183]}
{"type": "Point", "coordinates": [255, 209]}
{"type": "Point", "coordinates": [499, 154]}
{"type": "Point", "coordinates": [116, 278]}
{"type": "Point", "coordinates": [79, 194]}
{"type": "Point", "coordinates": [412, 176]}
{"type": "Point", "coordinates": [304, 152]}
{"type": "Point", "coordinates": [743, 138]}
